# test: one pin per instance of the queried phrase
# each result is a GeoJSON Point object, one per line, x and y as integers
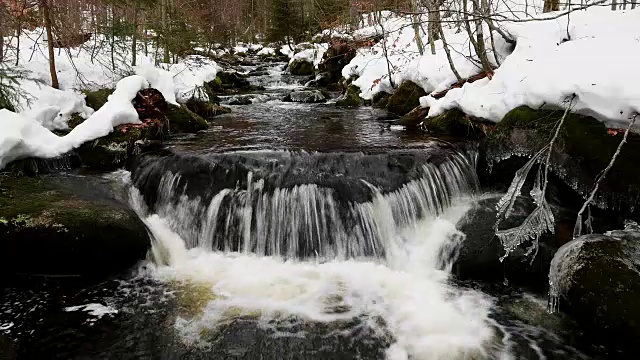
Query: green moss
{"type": "Point", "coordinates": [301, 67]}
{"type": "Point", "coordinates": [183, 120]}
{"type": "Point", "coordinates": [585, 141]}
{"type": "Point", "coordinates": [455, 123]}
{"type": "Point", "coordinates": [206, 109]}
{"type": "Point", "coordinates": [351, 97]}
{"type": "Point", "coordinates": [405, 98]}
{"type": "Point", "coordinates": [380, 100]}
{"type": "Point", "coordinates": [95, 99]}
{"type": "Point", "coordinates": [75, 120]}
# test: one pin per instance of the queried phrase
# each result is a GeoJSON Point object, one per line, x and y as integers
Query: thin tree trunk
{"type": "Point", "coordinates": [416, 26]}
{"type": "Point", "coordinates": [52, 61]}
{"type": "Point", "coordinates": [2, 21]}
{"type": "Point", "coordinates": [134, 40]}
{"type": "Point", "coordinates": [481, 48]}
{"type": "Point", "coordinates": [163, 10]}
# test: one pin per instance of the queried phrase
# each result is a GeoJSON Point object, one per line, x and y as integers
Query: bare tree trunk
{"type": "Point", "coordinates": [553, 5]}
{"type": "Point", "coordinates": [416, 26]}
{"type": "Point", "coordinates": [52, 61]}
{"type": "Point", "coordinates": [134, 40]}
{"type": "Point", "coordinates": [3, 18]}
{"type": "Point", "coordinates": [163, 11]}
{"type": "Point", "coordinates": [434, 16]}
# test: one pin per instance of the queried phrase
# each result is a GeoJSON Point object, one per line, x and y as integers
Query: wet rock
{"type": "Point", "coordinates": [257, 72]}
{"type": "Point", "coordinates": [380, 100]}
{"type": "Point", "coordinates": [301, 67]}
{"type": "Point", "coordinates": [67, 226]}
{"type": "Point", "coordinates": [306, 96]}
{"type": "Point", "coordinates": [583, 149]}
{"type": "Point", "coordinates": [452, 123]}
{"type": "Point", "coordinates": [599, 282]}
{"type": "Point", "coordinates": [479, 256]}
{"type": "Point", "coordinates": [351, 97]}
{"type": "Point", "coordinates": [320, 80]}
{"type": "Point", "coordinates": [405, 98]}
{"type": "Point", "coordinates": [182, 120]}
{"type": "Point", "coordinates": [241, 100]}
{"type": "Point", "coordinates": [207, 109]}
{"type": "Point", "coordinates": [229, 83]}
{"type": "Point", "coordinates": [334, 60]}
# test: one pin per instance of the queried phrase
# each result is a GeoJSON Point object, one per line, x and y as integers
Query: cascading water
{"type": "Point", "coordinates": [302, 251]}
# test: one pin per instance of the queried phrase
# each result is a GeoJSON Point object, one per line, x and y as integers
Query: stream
{"type": "Point", "coordinates": [293, 231]}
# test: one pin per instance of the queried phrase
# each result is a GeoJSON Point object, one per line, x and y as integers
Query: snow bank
{"type": "Point", "coordinates": [376, 72]}
{"type": "Point", "coordinates": [23, 136]}
{"type": "Point", "coordinates": [312, 54]}
{"type": "Point", "coordinates": [599, 64]}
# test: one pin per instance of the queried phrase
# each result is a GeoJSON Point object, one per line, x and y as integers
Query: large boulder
{"type": "Point", "coordinates": [405, 98]}
{"type": "Point", "coordinates": [306, 96]}
{"type": "Point", "coordinates": [301, 67]}
{"type": "Point", "coordinates": [598, 280]}
{"type": "Point", "coordinates": [206, 109]}
{"type": "Point", "coordinates": [67, 226]}
{"type": "Point", "coordinates": [583, 149]}
{"type": "Point", "coordinates": [480, 252]}
{"type": "Point", "coordinates": [230, 83]}
{"type": "Point", "coordinates": [182, 120]}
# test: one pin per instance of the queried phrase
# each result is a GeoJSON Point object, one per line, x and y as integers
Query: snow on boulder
{"type": "Point", "coordinates": [178, 83]}
{"type": "Point", "coordinates": [593, 55]}
{"type": "Point", "coordinates": [51, 107]}
{"type": "Point", "coordinates": [23, 136]}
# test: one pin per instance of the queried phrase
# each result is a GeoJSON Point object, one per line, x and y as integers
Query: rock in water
{"type": "Point", "coordinates": [301, 67]}
{"type": "Point", "coordinates": [306, 96]}
{"type": "Point", "coordinates": [241, 100]}
{"type": "Point", "coordinates": [405, 98]}
{"type": "Point", "coordinates": [67, 226]}
{"type": "Point", "coordinates": [351, 97]}
{"type": "Point", "coordinates": [597, 280]}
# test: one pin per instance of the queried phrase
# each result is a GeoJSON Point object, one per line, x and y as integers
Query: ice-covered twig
{"type": "Point", "coordinates": [577, 230]}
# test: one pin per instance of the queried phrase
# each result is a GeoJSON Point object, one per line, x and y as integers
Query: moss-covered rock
{"type": "Point", "coordinates": [380, 100]}
{"type": "Point", "coordinates": [229, 83]}
{"type": "Point", "coordinates": [583, 149]}
{"type": "Point", "coordinates": [351, 97]}
{"type": "Point", "coordinates": [182, 120]}
{"type": "Point", "coordinates": [455, 123]}
{"type": "Point", "coordinates": [95, 99]}
{"type": "Point", "coordinates": [600, 286]}
{"type": "Point", "coordinates": [66, 226]}
{"type": "Point", "coordinates": [207, 109]}
{"type": "Point", "coordinates": [405, 98]}
{"type": "Point", "coordinates": [301, 67]}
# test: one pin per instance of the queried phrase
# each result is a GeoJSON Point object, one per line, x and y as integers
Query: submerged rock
{"type": "Point", "coordinates": [405, 98]}
{"type": "Point", "coordinates": [306, 96]}
{"type": "Point", "coordinates": [67, 226]}
{"type": "Point", "coordinates": [301, 67]}
{"type": "Point", "coordinates": [598, 279]}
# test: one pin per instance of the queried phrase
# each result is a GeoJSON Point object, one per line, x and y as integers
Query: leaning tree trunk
{"type": "Point", "coordinates": [44, 4]}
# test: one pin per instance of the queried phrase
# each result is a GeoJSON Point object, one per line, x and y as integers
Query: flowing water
{"type": "Point", "coordinates": [291, 231]}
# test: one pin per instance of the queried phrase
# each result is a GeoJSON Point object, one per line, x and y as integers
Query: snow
{"type": "Point", "coordinates": [24, 136]}
{"type": "Point", "coordinates": [598, 64]}
{"type": "Point", "coordinates": [313, 53]}
{"type": "Point", "coordinates": [89, 67]}
{"type": "Point", "coordinates": [267, 51]}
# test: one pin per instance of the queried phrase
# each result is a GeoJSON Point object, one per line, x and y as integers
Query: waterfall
{"type": "Point", "coordinates": [311, 220]}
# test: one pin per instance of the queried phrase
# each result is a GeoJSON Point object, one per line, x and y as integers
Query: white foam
{"type": "Point", "coordinates": [427, 317]}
